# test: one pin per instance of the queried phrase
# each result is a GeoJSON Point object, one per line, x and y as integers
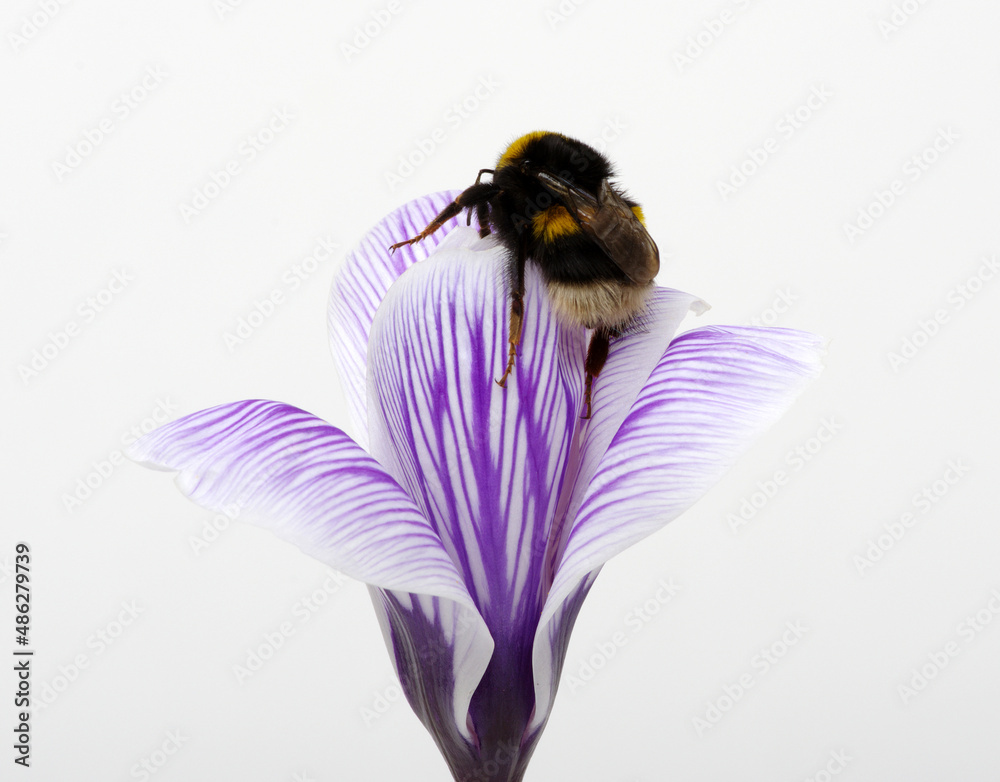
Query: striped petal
{"type": "Point", "coordinates": [630, 361]}
{"type": "Point", "coordinates": [484, 464]}
{"type": "Point", "coordinates": [310, 484]}
{"type": "Point", "coordinates": [711, 393]}
{"type": "Point", "coordinates": [439, 651]}
{"type": "Point", "coordinates": [361, 284]}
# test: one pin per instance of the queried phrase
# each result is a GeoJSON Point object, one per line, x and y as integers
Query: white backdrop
{"type": "Point", "coordinates": [830, 610]}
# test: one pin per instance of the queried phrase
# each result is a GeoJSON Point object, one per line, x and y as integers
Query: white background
{"type": "Point", "coordinates": [215, 75]}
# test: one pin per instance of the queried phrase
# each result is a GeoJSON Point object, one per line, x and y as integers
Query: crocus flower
{"type": "Point", "coordinates": [481, 516]}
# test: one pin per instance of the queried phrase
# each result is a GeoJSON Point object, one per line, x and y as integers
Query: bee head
{"type": "Point", "coordinates": [518, 150]}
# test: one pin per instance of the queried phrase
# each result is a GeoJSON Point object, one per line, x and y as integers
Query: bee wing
{"type": "Point", "coordinates": [612, 225]}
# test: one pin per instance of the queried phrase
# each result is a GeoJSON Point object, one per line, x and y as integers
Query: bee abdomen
{"type": "Point", "coordinates": [609, 304]}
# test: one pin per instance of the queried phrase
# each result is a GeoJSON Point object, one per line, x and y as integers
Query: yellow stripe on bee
{"type": "Point", "coordinates": [637, 211]}
{"type": "Point", "coordinates": [552, 223]}
{"type": "Point", "coordinates": [516, 148]}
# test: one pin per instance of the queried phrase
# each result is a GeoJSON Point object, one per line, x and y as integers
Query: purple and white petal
{"type": "Point", "coordinates": [630, 362]}
{"type": "Point", "coordinates": [713, 391]}
{"type": "Point", "coordinates": [485, 464]}
{"type": "Point", "coordinates": [310, 484]}
{"type": "Point", "coordinates": [434, 647]}
{"type": "Point", "coordinates": [549, 652]}
{"type": "Point", "coordinates": [361, 284]}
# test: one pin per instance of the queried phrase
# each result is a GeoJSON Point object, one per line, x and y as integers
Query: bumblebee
{"type": "Point", "coordinates": [550, 201]}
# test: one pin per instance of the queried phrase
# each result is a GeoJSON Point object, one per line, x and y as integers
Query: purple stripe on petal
{"type": "Point", "coordinates": [630, 361]}
{"type": "Point", "coordinates": [439, 649]}
{"type": "Point", "coordinates": [710, 394]}
{"type": "Point", "coordinates": [480, 460]}
{"type": "Point", "coordinates": [484, 464]}
{"type": "Point", "coordinates": [294, 474]}
{"type": "Point", "coordinates": [549, 651]}
{"type": "Point", "coordinates": [361, 284]}
{"type": "Point", "coordinates": [310, 484]}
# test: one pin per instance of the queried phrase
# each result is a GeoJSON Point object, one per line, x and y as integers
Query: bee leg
{"type": "Point", "coordinates": [516, 312]}
{"type": "Point", "coordinates": [482, 208]}
{"type": "Point", "coordinates": [471, 196]}
{"type": "Point", "coordinates": [597, 354]}
{"type": "Point", "coordinates": [483, 217]}
{"type": "Point", "coordinates": [516, 315]}
{"type": "Point", "coordinates": [443, 217]}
